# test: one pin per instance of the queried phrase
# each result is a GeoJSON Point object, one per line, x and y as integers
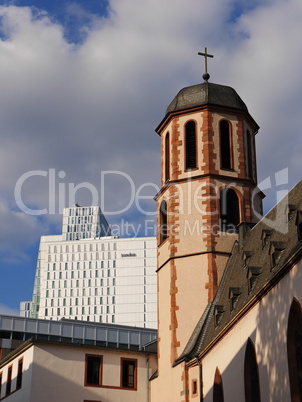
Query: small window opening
{"type": "Point", "coordinates": [167, 157]}
{"type": "Point", "coordinates": [194, 387]}
{"type": "Point", "coordinates": [190, 143]}
{"type": "Point", "coordinates": [20, 373]}
{"type": "Point", "coordinates": [290, 210]}
{"type": "Point", "coordinates": [229, 211]}
{"type": "Point", "coordinates": [219, 310]}
{"type": "Point", "coordinates": [93, 370]}
{"type": "Point", "coordinates": [246, 256]}
{"type": "Point", "coordinates": [234, 294]}
{"type": "Point", "coordinates": [265, 237]}
{"type": "Point", "coordinates": [275, 252]}
{"type": "Point", "coordinates": [225, 145]}
{"type": "Point", "coordinates": [128, 373]}
{"type": "Point", "coordinates": [252, 275]}
{"type": "Point", "coordinates": [249, 154]}
{"type": "Point", "coordinates": [163, 221]}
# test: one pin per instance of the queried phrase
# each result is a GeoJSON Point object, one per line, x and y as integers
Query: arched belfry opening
{"type": "Point", "coordinates": [229, 210]}
{"type": "Point", "coordinates": [251, 374]}
{"type": "Point", "coordinates": [226, 146]}
{"type": "Point", "coordinates": [167, 157]}
{"type": "Point", "coordinates": [294, 351]}
{"type": "Point", "coordinates": [190, 144]}
{"type": "Point", "coordinates": [249, 155]}
{"type": "Point", "coordinates": [163, 221]}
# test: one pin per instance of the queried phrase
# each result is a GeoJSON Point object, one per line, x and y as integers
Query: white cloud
{"type": "Point", "coordinates": [5, 310]}
{"type": "Point", "coordinates": [18, 232]}
{"type": "Point", "coordinates": [94, 106]}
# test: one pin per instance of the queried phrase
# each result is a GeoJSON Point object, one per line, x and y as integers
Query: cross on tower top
{"type": "Point", "coordinates": [206, 75]}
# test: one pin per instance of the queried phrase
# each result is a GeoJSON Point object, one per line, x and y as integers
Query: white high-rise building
{"type": "Point", "coordinates": [85, 275]}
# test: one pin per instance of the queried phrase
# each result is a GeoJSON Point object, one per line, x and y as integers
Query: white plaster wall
{"type": "Point", "coordinates": [266, 325]}
{"type": "Point", "coordinates": [58, 375]}
{"type": "Point", "coordinates": [24, 393]}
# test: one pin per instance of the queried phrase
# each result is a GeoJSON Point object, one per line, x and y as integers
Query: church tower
{"type": "Point", "coordinates": [208, 187]}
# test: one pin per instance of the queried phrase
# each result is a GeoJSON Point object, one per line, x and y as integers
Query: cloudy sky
{"type": "Point", "coordinates": [84, 84]}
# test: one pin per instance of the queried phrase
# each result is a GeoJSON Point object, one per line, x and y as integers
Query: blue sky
{"type": "Point", "coordinates": [85, 83]}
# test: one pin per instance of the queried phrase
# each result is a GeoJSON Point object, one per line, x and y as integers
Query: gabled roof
{"type": "Point", "coordinates": [262, 255]}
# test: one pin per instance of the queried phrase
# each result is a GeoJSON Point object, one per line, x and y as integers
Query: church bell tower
{"type": "Point", "coordinates": [208, 187]}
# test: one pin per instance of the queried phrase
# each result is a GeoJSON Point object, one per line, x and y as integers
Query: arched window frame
{"type": "Point", "coordinates": [226, 145]}
{"type": "Point", "coordinates": [163, 221]}
{"type": "Point", "coordinates": [218, 387]}
{"type": "Point", "coordinates": [229, 202]}
{"type": "Point", "coordinates": [190, 145]}
{"type": "Point", "coordinates": [251, 374]}
{"type": "Point", "coordinates": [167, 157]}
{"type": "Point", "coordinates": [294, 350]}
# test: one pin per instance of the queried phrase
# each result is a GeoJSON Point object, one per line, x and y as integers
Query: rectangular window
{"type": "Point", "coordinates": [128, 374]}
{"type": "Point", "coordinates": [194, 387]}
{"type": "Point", "coordinates": [9, 381]}
{"type": "Point", "coordinates": [20, 373]}
{"type": "Point", "coordinates": [93, 374]}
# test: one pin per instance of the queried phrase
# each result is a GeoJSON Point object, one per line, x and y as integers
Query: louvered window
{"type": "Point", "coordinates": [249, 155]}
{"type": "Point", "coordinates": [163, 221]}
{"type": "Point", "coordinates": [229, 210]}
{"type": "Point", "coordinates": [167, 157]}
{"type": "Point", "coordinates": [225, 145]}
{"type": "Point", "coordinates": [191, 160]}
